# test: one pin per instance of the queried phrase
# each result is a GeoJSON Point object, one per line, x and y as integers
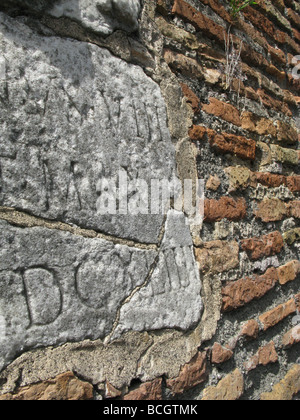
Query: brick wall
{"type": "Point", "coordinates": [247, 141]}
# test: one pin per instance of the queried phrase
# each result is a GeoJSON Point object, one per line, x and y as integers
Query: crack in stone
{"type": "Point", "coordinates": [24, 220]}
{"type": "Point", "coordinates": [138, 288]}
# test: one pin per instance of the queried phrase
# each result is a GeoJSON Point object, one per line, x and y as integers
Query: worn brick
{"type": "Point", "coordinates": [183, 64]}
{"type": "Point", "coordinates": [192, 98]}
{"type": "Point", "coordinates": [233, 144]}
{"type": "Point", "coordinates": [286, 133]}
{"type": "Point", "coordinates": [250, 329]}
{"type": "Point", "coordinates": [276, 315]}
{"type": "Point", "coordinates": [192, 374]}
{"type": "Point", "coordinates": [197, 132]}
{"type": "Point", "coordinates": [186, 39]}
{"type": "Point", "coordinates": [265, 355]}
{"type": "Point", "coordinates": [292, 337]}
{"type": "Point", "coordinates": [293, 183]}
{"type": "Point", "coordinates": [294, 209]}
{"type": "Point", "coordinates": [218, 256]}
{"type": "Point", "coordinates": [256, 124]}
{"type": "Point", "coordinates": [288, 272]}
{"type": "Point", "coordinates": [223, 110]}
{"type": "Point", "coordinates": [287, 388]}
{"type": "Point", "coordinates": [230, 388]}
{"type": "Point", "coordinates": [220, 354]}
{"type": "Point", "coordinates": [270, 180]}
{"type": "Point", "coordinates": [225, 208]}
{"type": "Point", "coordinates": [264, 246]}
{"type": "Point", "coordinates": [238, 293]}
{"type": "Point", "coordinates": [200, 21]}
{"type": "Point", "coordinates": [271, 102]}
{"type": "Point", "coordinates": [271, 210]}
{"type": "Point", "coordinates": [64, 387]}
{"type": "Point", "coordinates": [146, 392]}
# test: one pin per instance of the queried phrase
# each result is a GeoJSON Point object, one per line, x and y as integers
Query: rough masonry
{"type": "Point", "coordinates": [99, 304]}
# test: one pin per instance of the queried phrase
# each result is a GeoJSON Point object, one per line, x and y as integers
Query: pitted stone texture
{"type": "Point", "coordinates": [171, 299]}
{"type": "Point", "coordinates": [56, 287]}
{"type": "Point", "coordinates": [71, 117]}
{"type": "Point", "coordinates": [102, 16]}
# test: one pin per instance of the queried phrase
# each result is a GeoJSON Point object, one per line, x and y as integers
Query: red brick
{"type": "Point", "coordinates": [201, 22]}
{"type": "Point", "coordinates": [265, 246]}
{"type": "Point", "coordinates": [149, 391]}
{"type": "Point", "coordinates": [291, 337]}
{"type": "Point", "coordinates": [238, 293]}
{"type": "Point", "coordinates": [250, 330]}
{"type": "Point", "coordinates": [263, 357]}
{"type": "Point", "coordinates": [220, 354]}
{"type": "Point", "coordinates": [278, 314]}
{"type": "Point", "coordinates": [191, 97]}
{"type": "Point", "coordinates": [197, 132]}
{"type": "Point", "coordinates": [223, 110]}
{"type": "Point", "coordinates": [225, 208]}
{"type": "Point", "coordinates": [293, 183]}
{"type": "Point", "coordinates": [286, 133]}
{"type": "Point", "coordinates": [270, 180]}
{"type": "Point", "coordinates": [192, 374]}
{"type": "Point", "coordinates": [294, 209]}
{"type": "Point", "coordinates": [294, 17]}
{"type": "Point", "coordinates": [288, 272]}
{"type": "Point", "coordinates": [237, 145]}
{"type": "Point", "coordinates": [273, 103]}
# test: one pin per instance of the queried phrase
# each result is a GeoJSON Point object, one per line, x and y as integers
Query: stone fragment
{"type": "Point", "coordinates": [57, 287]}
{"type": "Point", "coordinates": [213, 183]}
{"type": "Point", "coordinates": [192, 98]}
{"type": "Point", "coordinates": [230, 388]}
{"type": "Point", "coordinates": [240, 178]}
{"type": "Point", "coordinates": [171, 296]}
{"type": "Point", "coordinates": [151, 391]}
{"type": "Point", "coordinates": [191, 375]}
{"type": "Point", "coordinates": [65, 387]}
{"type": "Point", "coordinates": [292, 236]}
{"type": "Point", "coordinates": [217, 256]}
{"type": "Point", "coordinates": [286, 388]}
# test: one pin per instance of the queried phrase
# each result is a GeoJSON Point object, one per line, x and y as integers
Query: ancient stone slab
{"type": "Point", "coordinates": [47, 299]}
{"type": "Point", "coordinates": [72, 116]}
{"type": "Point", "coordinates": [171, 298]}
{"type": "Point", "coordinates": [103, 16]}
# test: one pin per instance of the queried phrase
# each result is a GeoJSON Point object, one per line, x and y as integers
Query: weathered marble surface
{"type": "Point", "coordinates": [102, 16]}
{"type": "Point", "coordinates": [71, 116]}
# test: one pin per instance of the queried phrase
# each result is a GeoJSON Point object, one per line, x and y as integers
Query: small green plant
{"type": "Point", "coordinates": [238, 5]}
